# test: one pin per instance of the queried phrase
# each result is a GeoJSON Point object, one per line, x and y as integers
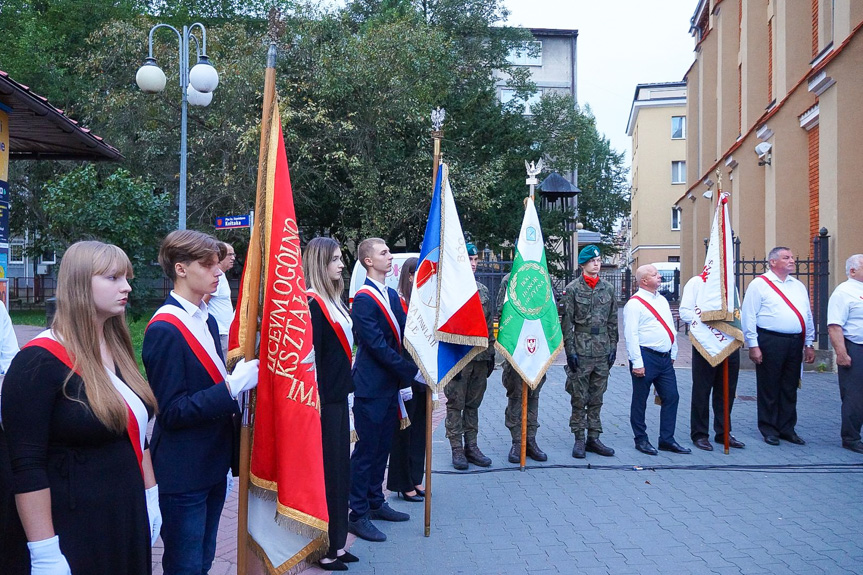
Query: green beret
{"type": "Point", "coordinates": [471, 250]}
{"type": "Point", "coordinates": [587, 253]}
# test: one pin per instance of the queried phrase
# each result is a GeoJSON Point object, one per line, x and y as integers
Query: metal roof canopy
{"type": "Point", "coordinates": [555, 186]}
{"type": "Point", "coordinates": [39, 131]}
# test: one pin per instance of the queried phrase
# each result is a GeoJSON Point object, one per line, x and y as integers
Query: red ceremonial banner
{"type": "Point", "coordinates": [286, 446]}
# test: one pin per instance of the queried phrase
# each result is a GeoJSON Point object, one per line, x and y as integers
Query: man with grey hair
{"type": "Point", "coordinates": [652, 349]}
{"type": "Point", "coordinates": [778, 328]}
{"type": "Point", "coordinates": [845, 326]}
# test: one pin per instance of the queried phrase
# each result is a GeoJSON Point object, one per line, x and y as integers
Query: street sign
{"type": "Point", "coordinates": [232, 222]}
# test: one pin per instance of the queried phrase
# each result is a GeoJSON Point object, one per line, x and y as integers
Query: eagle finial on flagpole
{"type": "Point", "coordinates": [438, 115]}
{"type": "Point", "coordinates": [532, 171]}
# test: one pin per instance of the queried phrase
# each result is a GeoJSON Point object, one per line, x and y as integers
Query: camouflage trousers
{"type": "Point", "coordinates": [463, 397]}
{"type": "Point", "coordinates": [586, 387]}
{"type": "Point", "coordinates": [512, 383]}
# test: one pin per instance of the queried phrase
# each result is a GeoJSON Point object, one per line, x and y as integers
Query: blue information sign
{"type": "Point", "coordinates": [232, 222]}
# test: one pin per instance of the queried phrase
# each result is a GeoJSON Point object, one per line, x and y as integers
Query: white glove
{"type": "Point", "coordinates": [244, 377]}
{"type": "Point", "coordinates": [350, 401]}
{"type": "Point", "coordinates": [419, 378]}
{"type": "Point", "coordinates": [47, 559]}
{"type": "Point", "coordinates": [230, 486]}
{"type": "Point", "coordinates": [406, 393]}
{"type": "Point", "coordinates": [154, 513]}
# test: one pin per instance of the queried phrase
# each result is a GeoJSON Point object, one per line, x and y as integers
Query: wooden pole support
{"type": "Point", "coordinates": [523, 455]}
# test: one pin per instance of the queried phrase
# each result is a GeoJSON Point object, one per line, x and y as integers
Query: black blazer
{"type": "Point", "coordinates": [331, 361]}
{"type": "Point", "coordinates": [193, 438]}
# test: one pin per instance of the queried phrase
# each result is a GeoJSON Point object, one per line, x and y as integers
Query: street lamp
{"type": "Point", "coordinates": [196, 87]}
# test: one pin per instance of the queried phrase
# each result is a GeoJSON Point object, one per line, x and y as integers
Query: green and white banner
{"type": "Point", "coordinates": [529, 334]}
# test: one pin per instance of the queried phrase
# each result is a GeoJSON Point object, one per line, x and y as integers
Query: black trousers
{"type": "Point", "coordinates": [408, 453]}
{"type": "Point", "coordinates": [851, 392]}
{"type": "Point", "coordinates": [707, 380]}
{"type": "Point", "coordinates": [336, 440]}
{"type": "Point", "coordinates": [777, 377]}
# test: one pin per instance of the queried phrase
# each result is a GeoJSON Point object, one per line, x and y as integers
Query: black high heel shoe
{"type": "Point", "coordinates": [420, 492]}
{"type": "Point", "coordinates": [413, 498]}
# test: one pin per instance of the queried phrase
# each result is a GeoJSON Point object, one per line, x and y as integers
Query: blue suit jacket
{"type": "Point", "coordinates": [193, 438]}
{"type": "Point", "coordinates": [379, 369]}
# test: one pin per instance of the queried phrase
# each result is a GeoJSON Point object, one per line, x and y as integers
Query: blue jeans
{"type": "Point", "coordinates": [190, 523]}
{"type": "Point", "coordinates": [658, 371]}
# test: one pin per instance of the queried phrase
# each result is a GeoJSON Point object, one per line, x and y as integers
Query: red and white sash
{"type": "Point", "coordinates": [136, 428]}
{"type": "Point", "coordinates": [657, 316]}
{"type": "Point", "coordinates": [197, 337]}
{"type": "Point", "coordinates": [791, 305]}
{"type": "Point", "coordinates": [345, 336]}
{"type": "Point", "coordinates": [384, 304]}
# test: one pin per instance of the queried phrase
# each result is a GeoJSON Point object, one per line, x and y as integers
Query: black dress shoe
{"type": "Point", "coordinates": [856, 447]}
{"type": "Point", "coordinates": [792, 438]}
{"type": "Point", "coordinates": [387, 513]}
{"type": "Point", "coordinates": [674, 447]}
{"type": "Point", "coordinates": [771, 440]}
{"type": "Point", "coordinates": [732, 441]}
{"type": "Point", "coordinates": [337, 565]}
{"type": "Point", "coordinates": [645, 447]}
{"type": "Point", "coordinates": [348, 557]}
{"type": "Point", "coordinates": [365, 529]}
{"type": "Point", "coordinates": [703, 443]}
{"type": "Point", "coordinates": [594, 445]}
{"type": "Point", "coordinates": [412, 498]}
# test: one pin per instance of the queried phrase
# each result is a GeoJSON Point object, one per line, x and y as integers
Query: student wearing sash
{"type": "Point", "coordinates": [194, 435]}
{"type": "Point", "coordinates": [407, 455]}
{"type": "Point", "coordinates": [652, 348]}
{"type": "Point", "coordinates": [778, 328]}
{"type": "Point", "coordinates": [333, 341]}
{"type": "Point", "coordinates": [75, 411]}
{"type": "Point", "coordinates": [380, 374]}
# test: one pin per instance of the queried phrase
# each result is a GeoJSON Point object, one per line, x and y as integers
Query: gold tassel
{"type": "Point", "coordinates": [404, 422]}
{"type": "Point", "coordinates": [354, 436]}
{"type": "Point", "coordinates": [656, 399]}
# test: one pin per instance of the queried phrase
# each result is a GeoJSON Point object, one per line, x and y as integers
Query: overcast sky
{"type": "Point", "coordinates": [621, 43]}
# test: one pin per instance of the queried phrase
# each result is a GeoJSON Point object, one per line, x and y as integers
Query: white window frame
{"type": "Point", "coordinates": [508, 94]}
{"type": "Point", "coordinates": [682, 127]}
{"type": "Point", "coordinates": [12, 246]}
{"type": "Point", "coordinates": [678, 172]}
{"type": "Point", "coordinates": [520, 56]}
{"type": "Point", "coordinates": [48, 261]}
{"type": "Point", "coordinates": [676, 214]}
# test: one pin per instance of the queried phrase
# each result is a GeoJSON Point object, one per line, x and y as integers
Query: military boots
{"type": "Point", "coordinates": [459, 461]}
{"type": "Point", "coordinates": [578, 447]}
{"type": "Point", "coordinates": [475, 456]}
{"type": "Point", "coordinates": [594, 445]}
{"type": "Point", "coordinates": [534, 452]}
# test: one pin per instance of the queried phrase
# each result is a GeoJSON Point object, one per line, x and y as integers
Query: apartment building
{"type": "Point", "coordinates": [657, 126]}
{"type": "Point", "coordinates": [773, 109]}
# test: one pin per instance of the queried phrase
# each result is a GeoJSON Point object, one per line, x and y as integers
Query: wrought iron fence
{"type": "Point", "coordinates": [25, 292]}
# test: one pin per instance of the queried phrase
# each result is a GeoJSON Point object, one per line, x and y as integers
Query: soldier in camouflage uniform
{"type": "Point", "coordinates": [590, 340]}
{"type": "Point", "coordinates": [512, 382]}
{"type": "Point", "coordinates": [465, 391]}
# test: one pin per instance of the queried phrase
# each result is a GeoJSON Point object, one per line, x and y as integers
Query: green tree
{"type": "Point", "coordinates": [118, 209]}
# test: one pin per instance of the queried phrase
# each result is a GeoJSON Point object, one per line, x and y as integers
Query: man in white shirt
{"type": "Point", "coordinates": [219, 301]}
{"type": "Point", "coordinates": [652, 349]}
{"type": "Point", "coordinates": [778, 328]}
{"type": "Point", "coordinates": [845, 326]}
{"type": "Point", "coordinates": [707, 379]}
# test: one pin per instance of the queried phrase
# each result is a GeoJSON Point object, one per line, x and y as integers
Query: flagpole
{"type": "Point", "coordinates": [437, 118]}
{"type": "Point", "coordinates": [532, 171]}
{"type": "Point", "coordinates": [253, 259]}
{"type": "Point", "coordinates": [726, 414]}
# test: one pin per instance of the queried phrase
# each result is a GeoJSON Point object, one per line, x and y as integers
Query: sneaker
{"type": "Point", "coordinates": [387, 513]}
{"type": "Point", "coordinates": [365, 529]}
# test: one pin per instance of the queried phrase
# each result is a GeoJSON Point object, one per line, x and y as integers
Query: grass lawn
{"type": "Point", "coordinates": [136, 327]}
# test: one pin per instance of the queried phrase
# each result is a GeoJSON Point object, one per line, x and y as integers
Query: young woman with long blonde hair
{"type": "Point", "coordinates": [75, 411]}
{"type": "Point", "coordinates": [333, 340]}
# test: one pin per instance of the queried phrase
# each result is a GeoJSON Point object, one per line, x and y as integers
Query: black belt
{"type": "Point", "coordinates": [779, 334]}
{"type": "Point", "coordinates": [849, 342]}
{"type": "Point", "coordinates": [654, 352]}
{"type": "Point", "coordinates": [595, 330]}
